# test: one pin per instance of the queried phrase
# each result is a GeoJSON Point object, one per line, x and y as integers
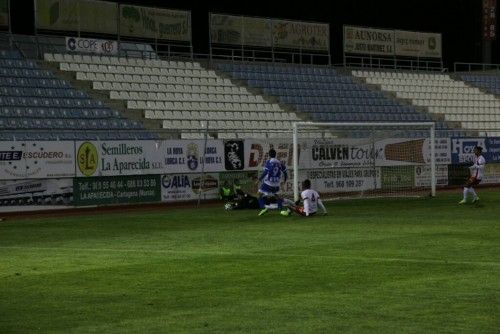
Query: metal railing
{"type": "Point", "coordinates": [469, 67]}
{"type": "Point", "coordinates": [34, 47]}
{"type": "Point", "coordinates": [270, 55]}
{"type": "Point", "coordinates": [394, 63]}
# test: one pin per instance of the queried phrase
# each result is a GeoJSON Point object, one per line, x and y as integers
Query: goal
{"type": "Point", "coordinates": [365, 159]}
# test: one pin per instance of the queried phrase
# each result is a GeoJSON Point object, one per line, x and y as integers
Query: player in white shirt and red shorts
{"type": "Point", "coordinates": [311, 201]}
{"type": "Point", "coordinates": [476, 174]}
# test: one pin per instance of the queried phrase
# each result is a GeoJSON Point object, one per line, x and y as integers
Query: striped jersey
{"type": "Point", "coordinates": [273, 171]}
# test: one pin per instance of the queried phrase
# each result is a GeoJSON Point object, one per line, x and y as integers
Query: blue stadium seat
{"type": "Point", "coordinates": [10, 54]}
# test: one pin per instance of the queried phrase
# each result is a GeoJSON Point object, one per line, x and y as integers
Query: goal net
{"type": "Point", "coordinates": [365, 159]}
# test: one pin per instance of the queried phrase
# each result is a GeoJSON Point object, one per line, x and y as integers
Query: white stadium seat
{"type": "Point", "coordinates": [177, 90]}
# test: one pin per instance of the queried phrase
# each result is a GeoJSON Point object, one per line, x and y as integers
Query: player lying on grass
{"type": "Point", "coordinates": [240, 199]}
{"type": "Point", "coordinates": [476, 174]}
{"type": "Point", "coordinates": [226, 192]}
{"type": "Point", "coordinates": [311, 201]}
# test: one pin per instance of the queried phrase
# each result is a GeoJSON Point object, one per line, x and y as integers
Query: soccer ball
{"type": "Point", "coordinates": [228, 206]}
{"type": "Point", "coordinates": [286, 212]}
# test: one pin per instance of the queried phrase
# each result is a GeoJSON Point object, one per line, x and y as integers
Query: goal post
{"type": "Point", "coordinates": [392, 149]}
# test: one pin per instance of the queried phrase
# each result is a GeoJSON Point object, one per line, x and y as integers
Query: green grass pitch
{"type": "Point", "coordinates": [370, 266]}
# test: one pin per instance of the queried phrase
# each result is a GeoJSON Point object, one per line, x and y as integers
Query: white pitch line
{"type": "Point", "coordinates": [222, 253]}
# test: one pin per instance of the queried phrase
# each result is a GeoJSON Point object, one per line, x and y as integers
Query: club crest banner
{"type": "Point", "coordinates": [111, 158]}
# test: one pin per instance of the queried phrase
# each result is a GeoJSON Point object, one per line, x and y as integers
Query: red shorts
{"type": "Point", "coordinates": [472, 181]}
{"type": "Point", "coordinates": [300, 210]}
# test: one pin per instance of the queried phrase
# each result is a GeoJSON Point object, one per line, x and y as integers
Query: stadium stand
{"type": "Point", "coordinates": [442, 95]}
{"type": "Point", "coordinates": [35, 105]}
{"type": "Point", "coordinates": [181, 93]}
{"type": "Point", "coordinates": [183, 96]}
{"type": "Point", "coordinates": [489, 82]}
{"type": "Point", "coordinates": [326, 95]}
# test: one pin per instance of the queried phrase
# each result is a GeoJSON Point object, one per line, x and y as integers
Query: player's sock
{"type": "Point", "coordinates": [474, 195]}
{"type": "Point", "coordinates": [280, 204]}
{"type": "Point", "coordinates": [262, 202]}
{"type": "Point", "coordinates": [263, 211]}
{"type": "Point", "coordinates": [466, 191]}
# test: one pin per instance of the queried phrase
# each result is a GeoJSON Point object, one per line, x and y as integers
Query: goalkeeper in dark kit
{"type": "Point", "coordinates": [239, 199]}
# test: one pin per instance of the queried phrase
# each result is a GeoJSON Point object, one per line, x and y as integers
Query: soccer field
{"type": "Point", "coordinates": [370, 266]}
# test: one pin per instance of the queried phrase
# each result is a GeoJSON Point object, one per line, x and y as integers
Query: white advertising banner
{"type": "Point", "coordinates": [345, 179]}
{"type": "Point", "coordinates": [256, 152]}
{"type": "Point", "coordinates": [368, 41]}
{"type": "Point", "coordinates": [243, 30]}
{"type": "Point", "coordinates": [257, 31]}
{"type": "Point", "coordinates": [238, 30]}
{"type": "Point", "coordinates": [98, 16]}
{"type": "Point", "coordinates": [159, 23]}
{"type": "Point", "coordinates": [31, 160]}
{"type": "Point", "coordinates": [301, 35]}
{"type": "Point", "coordinates": [423, 175]}
{"type": "Point", "coordinates": [347, 152]}
{"type": "Point", "coordinates": [36, 191]}
{"type": "Point", "coordinates": [226, 29]}
{"type": "Point", "coordinates": [186, 187]}
{"type": "Point", "coordinates": [340, 153]}
{"type": "Point", "coordinates": [181, 156]}
{"type": "Point", "coordinates": [112, 158]}
{"type": "Point", "coordinates": [443, 150]}
{"type": "Point", "coordinates": [491, 173]}
{"type": "Point", "coordinates": [417, 44]}
{"type": "Point", "coordinates": [90, 45]}
{"type": "Point", "coordinates": [23, 160]}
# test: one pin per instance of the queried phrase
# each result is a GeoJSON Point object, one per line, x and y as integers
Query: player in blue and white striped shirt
{"type": "Point", "coordinates": [274, 171]}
